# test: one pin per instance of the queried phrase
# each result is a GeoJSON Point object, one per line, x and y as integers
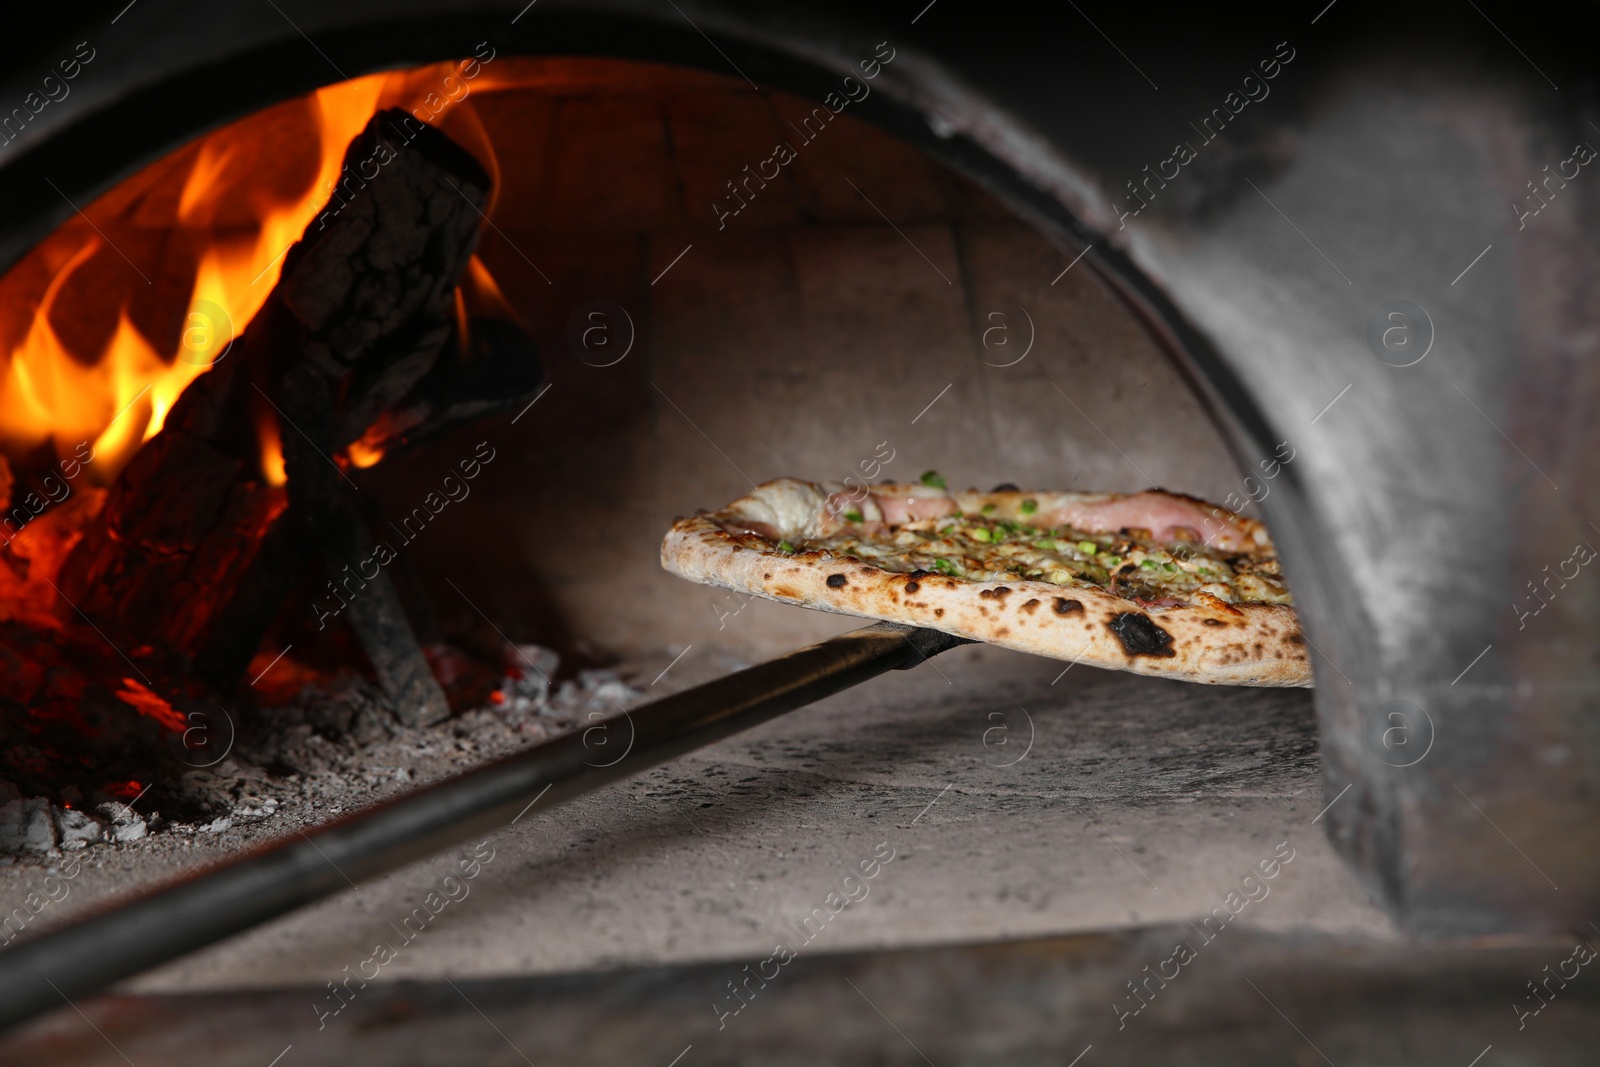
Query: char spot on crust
{"type": "Point", "coordinates": [836, 581]}
{"type": "Point", "coordinates": [1295, 639]}
{"type": "Point", "coordinates": [766, 577]}
{"type": "Point", "coordinates": [912, 586]}
{"type": "Point", "coordinates": [1067, 607]}
{"type": "Point", "coordinates": [938, 613]}
{"type": "Point", "coordinates": [1031, 606]}
{"type": "Point", "coordinates": [1211, 622]}
{"type": "Point", "coordinates": [1001, 631]}
{"type": "Point", "coordinates": [1140, 636]}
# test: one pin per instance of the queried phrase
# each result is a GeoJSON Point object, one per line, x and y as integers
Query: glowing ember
{"type": "Point", "coordinates": [366, 450]}
{"type": "Point", "coordinates": [150, 705]}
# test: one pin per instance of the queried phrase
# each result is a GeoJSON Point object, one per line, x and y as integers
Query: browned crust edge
{"type": "Point", "coordinates": [1260, 646]}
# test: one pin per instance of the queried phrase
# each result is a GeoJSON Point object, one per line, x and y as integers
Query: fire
{"type": "Point", "coordinates": [245, 194]}
{"type": "Point", "coordinates": [271, 446]}
{"type": "Point", "coordinates": [487, 291]}
{"type": "Point", "coordinates": [366, 450]}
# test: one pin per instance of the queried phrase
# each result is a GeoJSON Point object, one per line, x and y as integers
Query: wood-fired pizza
{"type": "Point", "coordinates": [1153, 582]}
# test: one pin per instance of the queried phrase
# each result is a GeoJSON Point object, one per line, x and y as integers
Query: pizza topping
{"type": "Point", "coordinates": [1149, 547]}
{"type": "Point", "coordinates": [1164, 516]}
{"type": "Point", "coordinates": [907, 503]}
{"type": "Point", "coordinates": [933, 480]}
{"type": "Point", "coordinates": [855, 507]}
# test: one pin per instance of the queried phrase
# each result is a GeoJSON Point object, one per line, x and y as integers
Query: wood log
{"type": "Point", "coordinates": [194, 551]}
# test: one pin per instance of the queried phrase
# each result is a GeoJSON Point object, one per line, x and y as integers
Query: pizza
{"type": "Point", "coordinates": [1153, 582]}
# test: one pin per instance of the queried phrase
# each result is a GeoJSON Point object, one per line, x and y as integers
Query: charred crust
{"type": "Point", "coordinates": [1063, 606]}
{"type": "Point", "coordinates": [938, 613]}
{"type": "Point", "coordinates": [1006, 487]}
{"type": "Point", "coordinates": [999, 593]}
{"type": "Point", "coordinates": [912, 586]}
{"type": "Point", "coordinates": [1140, 636]}
{"type": "Point", "coordinates": [1212, 622]}
{"type": "Point", "coordinates": [836, 581]}
{"type": "Point", "coordinates": [1031, 606]}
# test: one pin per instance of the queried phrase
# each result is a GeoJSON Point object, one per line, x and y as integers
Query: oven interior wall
{"type": "Point", "coordinates": [865, 303]}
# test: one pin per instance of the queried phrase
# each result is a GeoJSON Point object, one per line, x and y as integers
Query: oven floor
{"type": "Point", "coordinates": [1139, 801]}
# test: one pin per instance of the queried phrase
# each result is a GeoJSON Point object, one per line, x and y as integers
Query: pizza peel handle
{"type": "Point", "coordinates": [161, 924]}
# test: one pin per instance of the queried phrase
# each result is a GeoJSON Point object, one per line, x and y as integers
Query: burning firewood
{"type": "Point", "coordinates": [196, 550]}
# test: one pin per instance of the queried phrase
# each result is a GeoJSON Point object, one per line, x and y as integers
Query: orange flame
{"type": "Point", "coordinates": [486, 292]}
{"type": "Point", "coordinates": [246, 193]}
{"type": "Point", "coordinates": [271, 446]}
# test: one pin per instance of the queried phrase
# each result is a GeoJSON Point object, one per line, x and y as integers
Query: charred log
{"type": "Point", "coordinates": [194, 550]}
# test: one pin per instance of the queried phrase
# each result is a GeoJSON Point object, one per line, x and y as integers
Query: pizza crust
{"type": "Point", "coordinates": [1222, 644]}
